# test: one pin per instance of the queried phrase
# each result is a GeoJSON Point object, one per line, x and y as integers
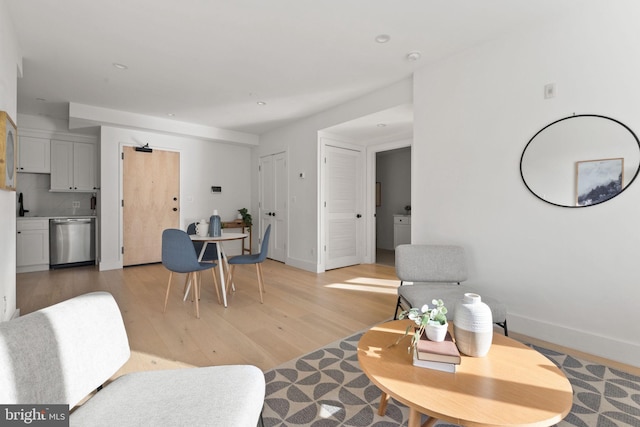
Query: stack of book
{"type": "Point", "coordinates": [442, 356]}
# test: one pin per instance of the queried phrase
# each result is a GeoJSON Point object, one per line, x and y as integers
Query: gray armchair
{"type": "Point", "coordinates": [437, 271]}
{"type": "Point", "coordinates": [60, 354]}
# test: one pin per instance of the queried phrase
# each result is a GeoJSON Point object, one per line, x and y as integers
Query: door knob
{"type": "Point", "coordinates": [175, 209]}
{"type": "Point", "coordinates": [358, 216]}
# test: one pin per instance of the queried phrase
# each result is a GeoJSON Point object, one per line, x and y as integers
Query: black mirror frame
{"type": "Point", "coordinates": [572, 117]}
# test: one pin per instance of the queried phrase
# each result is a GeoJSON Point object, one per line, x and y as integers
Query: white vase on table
{"type": "Point", "coordinates": [202, 228]}
{"type": "Point", "coordinates": [473, 326]}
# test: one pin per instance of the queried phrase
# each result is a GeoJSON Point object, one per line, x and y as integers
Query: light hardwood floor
{"type": "Point", "coordinates": [301, 312]}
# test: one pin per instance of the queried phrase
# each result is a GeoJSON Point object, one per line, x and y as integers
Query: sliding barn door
{"type": "Point", "coordinates": [151, 203]}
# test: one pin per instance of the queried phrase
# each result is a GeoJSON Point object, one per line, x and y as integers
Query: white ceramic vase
{"type": "Point", "coordinates": [473, 326]}
{"type": "Point", "coordinates": [435, 331]}
{"type": "Point", "coordinates": [202, 228]}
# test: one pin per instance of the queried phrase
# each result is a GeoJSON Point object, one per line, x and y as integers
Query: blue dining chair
{"type": "Point", "coordinates": [179, 256]}
{"type": "Point", "coordinates": [210, 253]}
{"type": "Point", "coordinates": [256, 259]}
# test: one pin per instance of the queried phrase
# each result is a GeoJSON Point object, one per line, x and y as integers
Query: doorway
{"type": "Point", "coordinates": [150, 202]}
{"type": "Point", "coordinates": [342, 203]}
{"type": "Point", "coordinates": [273, 203]}
{"type": "Point", "coordinates": [393, 202]}
{"type": "Point", "coordinates": [377, 132]}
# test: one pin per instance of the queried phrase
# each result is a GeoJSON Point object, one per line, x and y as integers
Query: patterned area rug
{"type": "Point", "coordinates": [327, 388]}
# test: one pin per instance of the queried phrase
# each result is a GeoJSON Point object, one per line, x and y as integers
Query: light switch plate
{"type": "Point", "coordinates": [549, 90]}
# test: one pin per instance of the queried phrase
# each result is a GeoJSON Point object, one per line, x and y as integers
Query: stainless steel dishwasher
{"type": "Point", "coordinates": [72, 242]}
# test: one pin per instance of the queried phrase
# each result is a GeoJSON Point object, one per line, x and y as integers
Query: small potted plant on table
{"type": "Point", "coordinates": [246, 216]}
{"type": "Point", "coordinates": [432, 320]}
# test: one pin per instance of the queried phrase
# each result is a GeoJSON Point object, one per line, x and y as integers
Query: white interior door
{"type": "Point", "coordinates": [273, 203]}
{"type": "Point", "coordinates": [343, 204]}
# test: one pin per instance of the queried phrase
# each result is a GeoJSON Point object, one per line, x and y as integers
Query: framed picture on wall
{"type": "Point", "coordinates": [598, 180]}
{"type": "Point", "coordinates": [8, 152]}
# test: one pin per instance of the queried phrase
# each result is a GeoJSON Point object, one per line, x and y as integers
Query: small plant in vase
{"type": "Point", "coordinates": [432, 320]}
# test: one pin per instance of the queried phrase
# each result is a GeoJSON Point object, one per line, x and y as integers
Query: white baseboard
{"type": "Point", "coordinates": [303, 265]}
{"type": "Point", "coordinates": [113, 265]}
{"type": "Point", "coordinates": [32, 268]}
{"type": "Point", "coordinates": [597, 345]}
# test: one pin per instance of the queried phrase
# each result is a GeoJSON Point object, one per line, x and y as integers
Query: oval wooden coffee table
{"type": "Point", "coordinates": [513, 385]}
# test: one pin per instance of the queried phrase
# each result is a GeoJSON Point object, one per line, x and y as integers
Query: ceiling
{"type": "Point", "coordinates": [210, 62]}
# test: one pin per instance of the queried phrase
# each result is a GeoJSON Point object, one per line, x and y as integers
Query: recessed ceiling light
{"type": "Point", "coordinates": [413, 56]}
{"type": "Point", "coordinates": [170, 114]}
{"type": "Point", "coordinates": [383, 38]}
{"type": "Point", "coordinates": [120, 66]}
{"type": "Point", "coordinates": [381, 125]}
{"type": "Point", "coordinates": [261, 103]}
{"type": "Point", "coordinates": [40, 99]}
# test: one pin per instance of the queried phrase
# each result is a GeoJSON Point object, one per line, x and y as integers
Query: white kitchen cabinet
{"type": "Point", "coordinates": [73, 166]}
{"type": "Point", "coordinates": [32, 245]}
{"type": "Point", "coordinates": [401, 230]}
{"type": "Point", "coordinates": [34, 154]}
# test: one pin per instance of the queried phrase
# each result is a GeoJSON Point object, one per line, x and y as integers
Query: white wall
{"type": "Point", "coordinates": [568, 276]}
{"type": "Point", "coordinates": [202, 164]}
{"type": "Point", "coordinates": [300, 140]}
{"type": "Point", "coordinates": [10, 62]}
{"type": "Point", "coordinates": [393, 172]}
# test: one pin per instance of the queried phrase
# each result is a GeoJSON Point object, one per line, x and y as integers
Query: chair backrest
{"type": "Point", "coordinates": [210, 253]}
{"type": "Point", "coordinates": [431, 263]}
{"type": "Point", "coordinates": [264, 248]}
{"type": "Point", "coordinates": [178, 252]}
{"type": "Point", "coordinates": [62, 353]}
{"type": "Point", "coordinates": [191, 228]}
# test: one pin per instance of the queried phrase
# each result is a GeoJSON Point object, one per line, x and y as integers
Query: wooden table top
{"type": "Point", "coordinates": [513, 385]}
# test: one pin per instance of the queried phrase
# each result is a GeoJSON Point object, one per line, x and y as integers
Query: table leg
{"type": "Point", "coordinates": [430, 422]}
{"type": "Point", "coordinates": [382, 408]}
{"type": "Point", "coordinates": [415, 417]}
{"type": "Point", "coordinates": [200, 255]}
{"type": "Point", "coordinates": [222, 260]}
{"type": "Point", "coordinates": [187, 287]}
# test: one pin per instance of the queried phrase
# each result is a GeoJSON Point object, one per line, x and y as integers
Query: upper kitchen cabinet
{"type": "Point", "coordinates": [73, 166]}
{"type": "Point", "coordinates": [34, 154]}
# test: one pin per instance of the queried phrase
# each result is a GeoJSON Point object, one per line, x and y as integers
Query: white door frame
{"type": "Point", "coordinates": [370, 188]}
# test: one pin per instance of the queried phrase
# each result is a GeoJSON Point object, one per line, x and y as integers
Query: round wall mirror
{"type": "Point", "coordinates": [581, 160]}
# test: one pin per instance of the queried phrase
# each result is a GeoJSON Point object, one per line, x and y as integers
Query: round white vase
{"type": "Point", "coordinates": [473, 326]}
{"type": "Point", "coordinates": [435, 331]}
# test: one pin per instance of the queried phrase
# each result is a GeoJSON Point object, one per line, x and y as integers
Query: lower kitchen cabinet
{"type": "Point", "coordinates": [32, 245]}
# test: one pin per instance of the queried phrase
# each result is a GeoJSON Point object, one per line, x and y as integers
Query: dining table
{"type": "Point", "coordinates": [222, 257]}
